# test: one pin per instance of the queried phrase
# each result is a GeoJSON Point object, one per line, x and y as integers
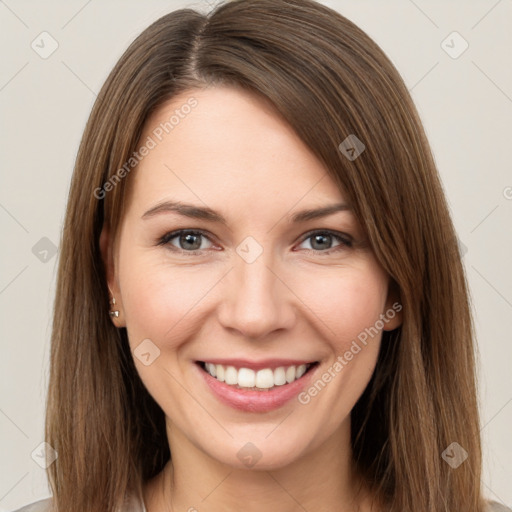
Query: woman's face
{"type": "Point", "coordinates": [255, 284]}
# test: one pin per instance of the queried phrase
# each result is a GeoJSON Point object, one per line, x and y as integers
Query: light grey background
{"type": "Point", "coordinates": [465, 104]}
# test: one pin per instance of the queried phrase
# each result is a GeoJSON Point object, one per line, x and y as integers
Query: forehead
{"type": "Point", "coordinates": [226, 146]}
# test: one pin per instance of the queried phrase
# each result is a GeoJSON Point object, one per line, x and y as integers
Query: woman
{"type": "Point", "coordinates": [208, 352]}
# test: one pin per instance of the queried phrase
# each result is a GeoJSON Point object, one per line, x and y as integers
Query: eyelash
{"type": "Point", "coordinates": [344, 241]}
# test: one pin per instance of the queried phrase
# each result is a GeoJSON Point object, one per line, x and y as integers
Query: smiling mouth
{"type": "Point", "coordinates": [264, 379]}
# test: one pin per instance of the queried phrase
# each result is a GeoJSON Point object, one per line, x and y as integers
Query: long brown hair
{"type": "Point", "coordinates": [329, 80]}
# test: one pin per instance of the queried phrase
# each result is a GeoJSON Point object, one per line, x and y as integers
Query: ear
{"type": "Point", "coordinates": [107, 256]}
{"type": "Point", "coordinates": [393, 312]}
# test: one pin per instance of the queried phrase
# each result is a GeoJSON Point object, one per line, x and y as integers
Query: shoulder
{"type": "Point", "coordinates": [38, 506]}
{"type": "Point", "coordinates": [132, 504]}
{"type": "Point", "coordinates": [494, 506]}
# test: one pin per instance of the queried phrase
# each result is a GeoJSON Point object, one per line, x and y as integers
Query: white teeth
{"type": "Point", "coordinates": [261, 379]}
{"type": "Point", "coordinates": [290, 374]}
{"type": "Point", "coordinates": [230, 375]}
{"type": "Point", "coordinates": [212, 369]}
{"type": "Point", "coordinates": [246, 378]}
{"type": "Point", "coordinates": [279, 376]}
{"type": "Point", "coordinates": [264, 378]}
{"type": "Point", "coordinates": [301, 370]}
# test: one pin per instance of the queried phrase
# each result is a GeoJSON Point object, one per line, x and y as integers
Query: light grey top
{"type": "Point", "coordinates": [134, 505]}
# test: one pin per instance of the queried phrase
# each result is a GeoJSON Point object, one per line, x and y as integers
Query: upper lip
{"type": "Point", "coordinates": [258, 365]}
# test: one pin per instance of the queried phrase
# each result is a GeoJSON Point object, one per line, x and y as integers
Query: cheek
{"type": "Point", "coordinates": [345, 301]}
{"type": "Point", "coordinates": [160, 301]}
{"type": "Point", "coordinates": [348, 304]}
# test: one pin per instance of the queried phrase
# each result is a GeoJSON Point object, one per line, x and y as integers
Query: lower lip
{"type": "Point", "coordinates": [256, 401]}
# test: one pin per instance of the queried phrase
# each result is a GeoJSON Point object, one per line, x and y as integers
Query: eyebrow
{"type": "Point", "coordinates": [205, 213]}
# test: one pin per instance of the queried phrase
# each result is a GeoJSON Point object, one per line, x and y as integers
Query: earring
{"type": "Point", "coordinates": [115, 313]}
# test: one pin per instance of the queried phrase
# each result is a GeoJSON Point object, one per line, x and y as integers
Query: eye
{"type": "Point", "coordinates": [186, 241]}
{"type": "Point", "coordinates": [322, 241]}
{"type": "Point", "coordinates": [193, 242]}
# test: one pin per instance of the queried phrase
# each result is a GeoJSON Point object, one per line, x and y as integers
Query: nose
{"type": "Point", "coordinates": [256, 300]}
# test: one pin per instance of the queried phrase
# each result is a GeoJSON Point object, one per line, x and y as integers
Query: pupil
{"type": "Point", "coordinates": [190, 239]}
{"type": "Point", "coordinates": [319, 239]}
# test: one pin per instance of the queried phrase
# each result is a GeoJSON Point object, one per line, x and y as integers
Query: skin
{"type": "Point", "coordinates": [234, 154]}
